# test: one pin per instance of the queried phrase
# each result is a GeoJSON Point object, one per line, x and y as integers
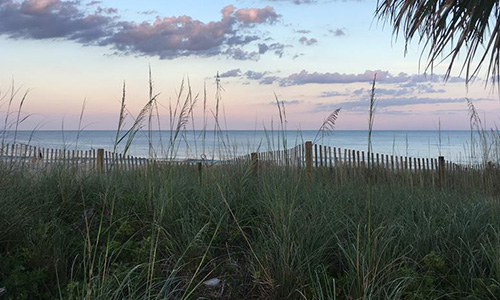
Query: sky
{"type": "Point", "coordinates": [314, 56]}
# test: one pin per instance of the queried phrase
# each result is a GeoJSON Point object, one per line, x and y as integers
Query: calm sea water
{"type": "Point", "coordinates": [454, 145]}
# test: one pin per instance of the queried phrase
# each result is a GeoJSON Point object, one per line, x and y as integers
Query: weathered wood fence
{"type": "Point", "coordinates": [94, 159]}
{"type": "Point", "coordinates": [343, 164]}
{"type": "Point", "coordinates": [307, 156]}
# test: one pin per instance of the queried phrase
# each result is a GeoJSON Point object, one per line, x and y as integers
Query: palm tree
{"type": "Point", "coordinates": [447, 27]}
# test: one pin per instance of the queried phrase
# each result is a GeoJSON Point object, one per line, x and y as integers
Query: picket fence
{"type": "Point", "coordinates": [94, 159]}
{"type": "Point", "coordinates": [307, 155]}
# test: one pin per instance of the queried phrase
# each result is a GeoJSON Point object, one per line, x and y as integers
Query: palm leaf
{"type": "Point", "coordinates": [459, 25]}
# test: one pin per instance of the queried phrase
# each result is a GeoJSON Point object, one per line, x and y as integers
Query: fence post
{"type": "Point", "coordinates": [441, 167]}
{"type": "Point", "coordinates": [200, 170]}
{"type": "Point", "coordinates": [255, 163]}
{"type": "Point", "coordinates": [100, 160]}
{"type": "Point", "coordinates": [309, 157]}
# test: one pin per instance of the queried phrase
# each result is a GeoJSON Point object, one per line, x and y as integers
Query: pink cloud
{"type": "Point", "coordinates": [166, 37]}
{"type": "Point", "coordinates": [257, 15]}
{"type": "Point", "coordinates": [227, 11]}
{"type": "Point", "coordinates": [171, 37]}
{"type": "Point", "coordinates": [39, 6]}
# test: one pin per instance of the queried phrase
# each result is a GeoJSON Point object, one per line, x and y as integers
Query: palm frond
{"type": "Point", "coordinates": [466, 25]}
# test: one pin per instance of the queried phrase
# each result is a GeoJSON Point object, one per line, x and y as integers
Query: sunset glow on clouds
{"type": "Point", "coordinates": [315, 56]}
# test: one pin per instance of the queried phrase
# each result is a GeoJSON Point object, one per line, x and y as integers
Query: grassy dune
{"type": "Point", "coordinates": [161, 233]}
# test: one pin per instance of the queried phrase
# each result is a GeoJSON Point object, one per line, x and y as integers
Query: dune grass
{"type": "Point", "coordinates": [161, 233]}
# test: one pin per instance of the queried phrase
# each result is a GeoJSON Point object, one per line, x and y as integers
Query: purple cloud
{"type": "Point", "coordinates": [405, 80]}
{"type": "Point", "coordinates": [392, 92]}
{"type": "Point", "coordinates": [241, 40]}
{"type": "Point", "coordinates": [416, 83]}
{"type": "Point", "coordinates": [255, 75]}
{"type": "Point", "coordinates": [263, 48]}
{"type": "Point", "coordinates": [183, 36]}
{"type": "Point", "coordinates": [278, 48]}
{"type": "Point", "coordinates": [286, 102]}
{"type": "Point", "coordinates": [305, 41]}
{"type": "Point", "coordinates": [251, 75]}
{"type": "Point", "coordinates": [415, 80]}
{"type": "Point", "coordinates": [269, 80]}
{"type": "Point", "coordinates": [384, 92]}
{"type": "Point", "coordinates": [52, 19]}
{"type": "Point", "coordinates": [337, 32]}
{"type": "Point", "coordinates": [304, 77]}
{"type": "Point", "coordinates": [332, 94]}
{"type": "Point", "coordinates": [171, 37]}
{"type": "Point", "coordinates": [384, 103]}
{"type": "Point", "coordinates": [428, 89]}
{"type": "Point", "coordinates": [360, 91]}
{"type": "Point", "coordinates": [239, 54]}
{"type": "Point", "coordinates": [148, 12]}
{"type": "Point", "coordinates": [166, 38]}
{"type": "Point", "coordinates": [230, 73]}
{"type": "Point", "coordinates": [109, 11]}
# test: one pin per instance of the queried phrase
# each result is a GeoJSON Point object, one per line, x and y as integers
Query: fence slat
{"type": "Point", "coordinates": [349, 152]}
{"type": "Point", "coordinates": [345, 157]}
{"type": "Point", "coordinates": [315, 155]}
{"type": "Point", "coordinates": [320, 156]}
{"type": "Point", "coordinates": [6, 152]}
{"type": "Point", "coordinates": [335, 158]}
{"type": "Point", "coordinates": [330, 161]}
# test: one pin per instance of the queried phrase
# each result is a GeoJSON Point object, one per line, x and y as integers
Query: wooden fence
{"type": "Point", "coordinates": [307, 155]}
{"type": "Point", "coordinates": [94, 159]}
{"type": "Point", "coordinates": [342, 164]}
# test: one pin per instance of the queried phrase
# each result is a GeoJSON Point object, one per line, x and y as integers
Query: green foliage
{"type": "Point", "coordinates": [162, 232]}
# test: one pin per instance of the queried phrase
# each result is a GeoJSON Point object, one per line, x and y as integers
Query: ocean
{"type": "Point", "coordinates": [453, 145]}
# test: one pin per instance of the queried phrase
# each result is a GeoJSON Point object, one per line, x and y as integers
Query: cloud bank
{"type": "Point", "coordinates": [385, 103]}
{"type": "Point", "coordinates": [166, 38]}
{"type": "Point", "coordinates": [406, 83]}
{"type": "Point", "coordinates": [304, 77]}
